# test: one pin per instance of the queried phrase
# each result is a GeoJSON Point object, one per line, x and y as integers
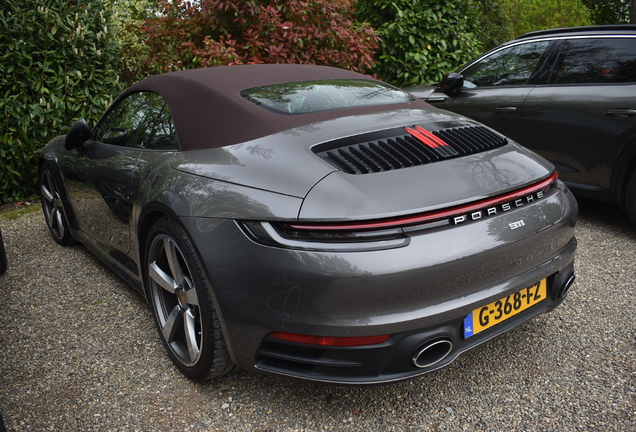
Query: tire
{"type": "Point", "coordinates": [3, 256]}
{"type": "Point", "coordinates": [630, 198]}
{"type": "Point", "coordinates": [182, 305]}
{"type": "Point", "coordinates": [54, 210]}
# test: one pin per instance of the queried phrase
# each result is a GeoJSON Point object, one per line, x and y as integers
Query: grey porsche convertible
{"type": "Point", "coordinates": [311, 222]}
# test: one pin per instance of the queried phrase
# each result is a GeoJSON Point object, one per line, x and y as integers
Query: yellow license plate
{"type": "Point", "coordinates": [492, 314]}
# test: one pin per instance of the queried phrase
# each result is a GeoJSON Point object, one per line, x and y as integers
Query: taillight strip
{"type": "Point", "coordinates": [432, 216]}
{"type": "Point", "coordinates": [330, 340]}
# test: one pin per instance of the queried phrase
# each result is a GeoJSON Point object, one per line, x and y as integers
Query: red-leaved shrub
{"type": "Point", "coordinates": [221, 32]}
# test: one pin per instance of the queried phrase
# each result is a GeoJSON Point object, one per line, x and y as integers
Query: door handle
{"type": "Point", "coordinates": [505, 109]}
{"type": "Point", "coordinates": [621, 112]}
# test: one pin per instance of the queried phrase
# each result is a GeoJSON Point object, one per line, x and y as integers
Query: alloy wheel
{"type": "Point", "coordinates": [52, 206]}
{"type": "Point", "coordinates": [175, 300]}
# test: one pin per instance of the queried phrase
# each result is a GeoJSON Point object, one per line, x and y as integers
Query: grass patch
{"type": "Point", "coordinates": [15, 213]}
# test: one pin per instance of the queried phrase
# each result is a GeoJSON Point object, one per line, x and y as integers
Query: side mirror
{"type": "Point", "coordinates": [77, 135]}
{"type": "Point", "coordinates": [451, 82]}
{"type": "Point", "coordinates": [115, 136]}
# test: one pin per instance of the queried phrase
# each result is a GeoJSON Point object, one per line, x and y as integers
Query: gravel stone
{"type": "Point", "coordinates": [79, 352]}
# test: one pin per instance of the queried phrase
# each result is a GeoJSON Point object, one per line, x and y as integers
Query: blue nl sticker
{"type": "Point", "coordinates": [468, 326]}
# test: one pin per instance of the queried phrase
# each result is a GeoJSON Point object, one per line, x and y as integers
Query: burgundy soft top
{"type": "Point", "coordinates": [209, 112]}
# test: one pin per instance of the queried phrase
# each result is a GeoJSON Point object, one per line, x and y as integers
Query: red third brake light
{"type": "Point", "coordinates": [330, 340]}
{"type": "Point", "coordinates": [430, 135]}
{"type": "Point", "coordinates": [425, 137]}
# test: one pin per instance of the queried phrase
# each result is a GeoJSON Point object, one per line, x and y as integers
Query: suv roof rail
{"type": "Point", "coordinates": [614, 27]}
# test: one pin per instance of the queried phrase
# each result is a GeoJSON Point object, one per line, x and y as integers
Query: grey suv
{"type": "Point", "coordinates": [568, 94]}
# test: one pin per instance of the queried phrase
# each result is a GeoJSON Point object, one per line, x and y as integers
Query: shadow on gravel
{"type": "Point", "coordinates": [609, 215]}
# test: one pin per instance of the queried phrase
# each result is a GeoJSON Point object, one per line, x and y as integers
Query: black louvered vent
{"type": "Point", "coordinates": [403, 150]}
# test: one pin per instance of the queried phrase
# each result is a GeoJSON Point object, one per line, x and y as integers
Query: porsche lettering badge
{"type": "Point", "coordinates": [500, 208]}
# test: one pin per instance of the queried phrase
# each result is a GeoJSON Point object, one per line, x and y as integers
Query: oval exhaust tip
{"type": "Point", "coordinates": [567, 285]}
{"type": "Point", "coordinates": [431, 353]}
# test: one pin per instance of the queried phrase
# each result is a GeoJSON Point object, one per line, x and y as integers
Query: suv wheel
{"type": "Point", "coordinates": [630, 198]}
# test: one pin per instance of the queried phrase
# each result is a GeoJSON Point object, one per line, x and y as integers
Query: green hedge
{"type": "Point", "coordinates": [420, 40]}
{"type": "Point", "coordinates": [58, 62]}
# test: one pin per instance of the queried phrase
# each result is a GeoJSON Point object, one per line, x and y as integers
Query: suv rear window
{"type": "Point", "coordinates": [596, 61]}
{"type": "Point", "coordinates": [306, 97]}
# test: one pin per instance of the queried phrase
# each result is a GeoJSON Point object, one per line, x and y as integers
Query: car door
{"type": "Point", "coordinates": [584, 115]}
{"type": "Point", "coordinates": [496, 86]}
{"type": "Point", "coordinates": [102, 174]}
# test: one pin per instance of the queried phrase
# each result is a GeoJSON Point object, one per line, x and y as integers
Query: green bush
{"type": "Point", "coordinates": [420, 40]}
{"type": "Point", "coordinates": [128, 17]}
{"type": "Point", "coordinates": [58, 62]}
{"type": "Point", "coordinates": [524, 16]}
{"type": "Point", "coordinates": [503, 20]}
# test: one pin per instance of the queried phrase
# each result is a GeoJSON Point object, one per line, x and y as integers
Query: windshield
{"type": "Point", "coordinates": [323, 95]}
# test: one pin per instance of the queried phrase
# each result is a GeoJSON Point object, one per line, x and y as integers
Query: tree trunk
{"type": "Point", "coordinates": [632, 13]}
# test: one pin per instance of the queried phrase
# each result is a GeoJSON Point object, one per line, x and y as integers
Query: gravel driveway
{"type": "Point", "coordinates": [79, 352]}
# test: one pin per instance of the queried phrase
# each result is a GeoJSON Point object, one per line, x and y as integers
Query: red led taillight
{"type": "Point", "coordinates": [431, 216]}
{"type": "Point", "coordinates": [330, 340]}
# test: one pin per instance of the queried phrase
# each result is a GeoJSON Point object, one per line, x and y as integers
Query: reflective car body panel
{"type": "Point", "coordinates": [100, 189]}
{"type": "Point", "coordinates": [499, 108]}
{"type": "Point", "coordinates": [342, 196]}
{"type": "Point", "coordinates": [395, 291]}
{"type": "Point", "coordinates": [243, 163]}
{"type": "Point", "coordinates": [290, 242]}
{"type": "Point", "coordinates": [573, 108]}
{"type": "Point", "coordinates": [596, 138]}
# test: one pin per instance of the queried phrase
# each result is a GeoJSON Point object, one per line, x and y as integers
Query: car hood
{"type": "Point", "coordinates": [286, 163]}
{"type": "Point", "coordinates": [423, 91]}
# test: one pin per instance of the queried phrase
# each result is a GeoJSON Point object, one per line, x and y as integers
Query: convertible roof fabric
{"type": "Point", "coordinates": [208, 111]}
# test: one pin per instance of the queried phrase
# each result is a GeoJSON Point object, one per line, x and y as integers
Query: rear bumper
{"type": "Point", "coordinates": [415, 293]}
{"type": "Point", "coordinates": [392, 360]}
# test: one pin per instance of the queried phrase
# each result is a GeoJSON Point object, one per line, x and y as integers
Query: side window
{"type": "Point", "coordinates": [164, 137]}
{"type": "Point", "coordinates": [596, 61]}
{"type": "Point", "coordinates": [141, 120]}
{"type": "Point", "coordinates": [510, 66]}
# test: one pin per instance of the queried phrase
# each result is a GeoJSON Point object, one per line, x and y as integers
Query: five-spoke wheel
{"type": "Point", "coordinates": [183, 309]}
{"type": "Point", "coordinates": [175, 298]}
{"type": "Point", "coordinates": [53, 209]}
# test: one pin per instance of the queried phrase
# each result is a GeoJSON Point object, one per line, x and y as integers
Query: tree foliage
{"type": "Point", "coordinates": [608, 11]}
{"type": "Point", "coordinates": [504, 20]}
{"type": "Point", "coordinates": [529, 15]}
{"type": "Point", "coordinates": [221, 32]}
{"type": "Point", "coordinates": [58, 62]}
{"type": "Point", "coordinates": [128, 16]}
{"type": "Point", "coordinates": [420, 40]}
{"type": "Point", "coordinates": [494, 25]}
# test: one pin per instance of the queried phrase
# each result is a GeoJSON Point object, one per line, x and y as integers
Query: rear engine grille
{"type": "Point", "coordinates": [409, 148]}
